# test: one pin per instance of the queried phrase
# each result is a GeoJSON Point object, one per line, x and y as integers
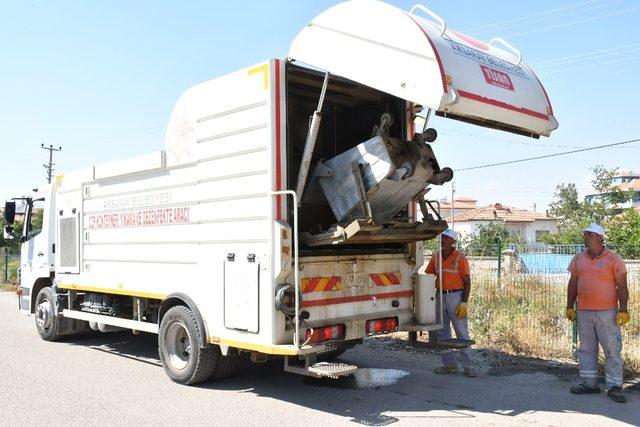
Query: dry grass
{"type": "Point", "coordinates": [8, 287]}
{"type": "Point", "coordinates": [525, 315]}
{"type": "Point", "coordinates": [11, 284]}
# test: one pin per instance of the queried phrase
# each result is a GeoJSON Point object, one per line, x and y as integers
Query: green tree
{"type": "Point", "coordinates": [606, 205]}
{"type": "Point", "coordinates": [573, 215]}
{"type": "Point", "coordinates": [12, 244]}
{"type": "Point", "coordinates": [623, 233]}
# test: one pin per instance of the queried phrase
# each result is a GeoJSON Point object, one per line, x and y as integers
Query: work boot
{"type": "Point", "coordinates": [615, 393]}
{"type": "Point", "coordinates": [446, 370]}
{"type": "Point", "coordinates": [582, 388]}
{"type": "Point", "coordinates": [470, 372]}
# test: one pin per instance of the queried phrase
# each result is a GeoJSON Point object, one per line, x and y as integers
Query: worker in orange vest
{"type": "Point", "coordinates": [599, 282]}
{"type": "Point", "coordinates": [456, 285]}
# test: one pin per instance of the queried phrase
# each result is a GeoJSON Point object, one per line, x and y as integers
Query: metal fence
{"type": "Point", "coordinates": [9, 264]}
{"type": "Point", "coordinates": [518, 301]}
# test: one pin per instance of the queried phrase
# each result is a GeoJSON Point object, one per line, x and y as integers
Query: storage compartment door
{"type": "Point", "coordinates": [241, 282]}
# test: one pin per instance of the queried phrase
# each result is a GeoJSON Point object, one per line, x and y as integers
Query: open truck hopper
{"type": "Point", "coordinates": [378, 177]}
{"type": "Point", "coordinates": [416, 57]}
{"type": "Point", "coordinates": [371, 183]}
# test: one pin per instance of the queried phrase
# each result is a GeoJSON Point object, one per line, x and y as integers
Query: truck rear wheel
{"type": "Point", "coordinates": [183, 359]}
{"type": "Point", "coordinates": [46, 321]}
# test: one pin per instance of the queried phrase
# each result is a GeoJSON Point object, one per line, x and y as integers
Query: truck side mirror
{"type": "Point", "coordinates": [9, 212]}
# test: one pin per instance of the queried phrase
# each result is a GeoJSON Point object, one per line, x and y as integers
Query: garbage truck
{"type": "Point", "coordinates": [281, 217]}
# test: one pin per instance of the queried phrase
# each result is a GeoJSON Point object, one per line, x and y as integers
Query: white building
{"type": "Point", "coordinates": [530, 225]}
{"type": "Point", "coordinates": [624, 180]}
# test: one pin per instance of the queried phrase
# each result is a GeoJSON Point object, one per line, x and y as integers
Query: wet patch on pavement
{"type": "Point", "coordinates": [363, 378]}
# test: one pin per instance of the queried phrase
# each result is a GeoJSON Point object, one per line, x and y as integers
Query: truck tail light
{"type": "Point", "coordinates": [326, 333]}
{"type": "Point", "coordinates": [386, 324]}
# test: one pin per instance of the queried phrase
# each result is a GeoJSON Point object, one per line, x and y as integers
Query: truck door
{"type": "Point", "coordinates": [35, 252]}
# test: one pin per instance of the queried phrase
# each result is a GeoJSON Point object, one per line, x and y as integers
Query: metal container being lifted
{"type": "Point", "coordinates": [379, 177]}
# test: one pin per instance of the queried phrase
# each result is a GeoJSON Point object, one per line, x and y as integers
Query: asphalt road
{"type": "Point", "coordinates": [116, 379]}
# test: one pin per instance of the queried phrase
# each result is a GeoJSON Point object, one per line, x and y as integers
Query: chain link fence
{"type": "Point", "coordinates": [9, 264]}
{"type": "Point", "coordinates": [518, 301]}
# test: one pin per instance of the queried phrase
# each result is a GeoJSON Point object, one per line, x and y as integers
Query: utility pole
{"type": "Point", "coordinates": [453, 192]}
{"type": "Point", "coordinates": [49, 166]}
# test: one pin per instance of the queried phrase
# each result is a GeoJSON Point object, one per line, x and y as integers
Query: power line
{"type": "Point", "coordinates": [585, 55]}
{"type": "Point", "coordinates": [529, 16]}
{"type": "Point", "coordinates": [564, 153]}
{"type": "Point", "coordinates": [549, 18]}
{"type": "Point", "coordinates": [589, 65]}
{"type": "Point", "coordinates": [591, 76]}
{"type": "Point", "coordinates": [555, 27]}
{"type": "Point", "coordinates": [508, 141]}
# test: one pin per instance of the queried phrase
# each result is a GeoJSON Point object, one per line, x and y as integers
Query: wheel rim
{"type": "Point", "coordinates": [178, 345]}
{"type": "Point", "coordinates": [44, 314]}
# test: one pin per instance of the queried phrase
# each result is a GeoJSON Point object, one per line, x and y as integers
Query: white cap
{"type": "Point", "coordinates": [595, 228]}
{"type": "Point", "coordinates": [450, 233]}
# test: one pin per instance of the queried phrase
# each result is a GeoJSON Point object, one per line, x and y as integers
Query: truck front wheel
{"type": "Point", "coordinates": [183, 359]}
{"type": "Point", "coordinates": [46, 321]}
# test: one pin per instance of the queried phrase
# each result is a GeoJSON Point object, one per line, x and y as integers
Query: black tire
{"type": "Point", "coordinates": [183, 359]}
{"type": "Point", "coordinates": [47, 323]}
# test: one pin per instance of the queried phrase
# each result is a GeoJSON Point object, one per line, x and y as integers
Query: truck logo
{"type": "Point", "coordinates": [487, 59]}
{"type": "Point", "coordinates": [496, 78]}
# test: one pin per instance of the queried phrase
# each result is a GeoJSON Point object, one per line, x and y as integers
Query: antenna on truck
{"type": "Point", "coordinates": [310, 144]}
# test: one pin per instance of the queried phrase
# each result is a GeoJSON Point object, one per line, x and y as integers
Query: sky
{"type": "Point", "coordinates": [100, 79]}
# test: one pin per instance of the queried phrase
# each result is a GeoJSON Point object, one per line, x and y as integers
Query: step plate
{"type": "Point", "coordinates": [332, 370]}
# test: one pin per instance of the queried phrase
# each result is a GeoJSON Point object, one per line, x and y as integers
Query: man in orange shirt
{"type": "Point", "coordinates": [599, 282]}
{"type": "Point", "coordinates": [456, 285]}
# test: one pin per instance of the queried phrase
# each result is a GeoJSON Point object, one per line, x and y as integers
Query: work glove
{"type": "Point", "coordinates": [461, 310]}
{"type": "Point", "coordinates": [622, 318]}
{"type": "Point", "coordinates": [571, 314]}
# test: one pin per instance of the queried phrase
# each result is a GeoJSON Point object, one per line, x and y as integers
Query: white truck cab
{"type": "Point", "coordinates": [37, 249]}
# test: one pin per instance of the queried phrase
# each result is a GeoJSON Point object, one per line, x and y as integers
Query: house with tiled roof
{"type": "Point", "coordinates": [530, 225]}
{"type": "Point", "coordinates": [460, 205]}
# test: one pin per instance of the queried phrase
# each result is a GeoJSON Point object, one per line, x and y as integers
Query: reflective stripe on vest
{"type": "Point", "coordinates": [455, 270]}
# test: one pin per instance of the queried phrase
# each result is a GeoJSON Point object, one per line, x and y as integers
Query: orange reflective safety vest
{"type": "Point", "coordinates": [454, 267]}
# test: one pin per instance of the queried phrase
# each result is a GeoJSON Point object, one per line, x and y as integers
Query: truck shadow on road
{"type": "Point", "coordinates": [397, 384]}
{"type": "Point", "coordinates": [142, 348]}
